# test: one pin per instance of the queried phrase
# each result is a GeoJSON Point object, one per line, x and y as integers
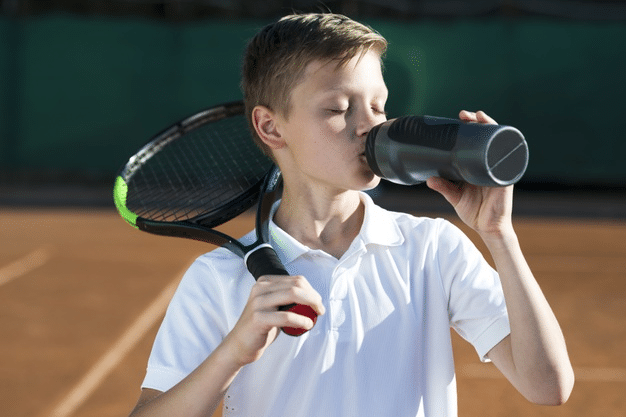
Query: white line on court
{"type": "Point", "coordinates": [24, 265]}
{"type": "Point", "coordinates": [107, 363]}
{"type": "Point", "coordinates": [589, 374]}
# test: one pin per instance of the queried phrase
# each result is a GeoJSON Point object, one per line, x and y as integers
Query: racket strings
{"type": "Point", "coordinates": [199, 174]}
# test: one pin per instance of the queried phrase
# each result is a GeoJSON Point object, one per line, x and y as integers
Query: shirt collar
{"type": "Point", "coordinates": [379, 225]}
{"type": "Point", "coordinates": [378, 228]}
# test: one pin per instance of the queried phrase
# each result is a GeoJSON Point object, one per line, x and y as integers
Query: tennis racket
{"type": "Point", "coordinates": [198, 174]}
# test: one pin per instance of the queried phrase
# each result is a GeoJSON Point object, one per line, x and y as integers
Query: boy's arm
{"type": "Point", "coordinates": [201, 391]}
{"type": "Point", "coordinates": [198, 394]}
{"type": "Point", "coordinates": [533, 357]}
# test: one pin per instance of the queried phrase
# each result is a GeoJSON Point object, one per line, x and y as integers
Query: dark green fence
{"type": "Point", "coordinates": [79, 95]}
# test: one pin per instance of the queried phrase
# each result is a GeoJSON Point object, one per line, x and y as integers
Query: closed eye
{"type": "Point", "coordinates": [378, 111]}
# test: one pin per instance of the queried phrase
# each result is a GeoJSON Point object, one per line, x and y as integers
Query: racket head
{"type": "Point", "coordinates": [198, 174]}
{"type": "Point", "coordinates": [204, 170]}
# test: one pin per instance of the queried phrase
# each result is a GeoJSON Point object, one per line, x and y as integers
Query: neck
{"type": "Point", "coordinates": [329, 222]}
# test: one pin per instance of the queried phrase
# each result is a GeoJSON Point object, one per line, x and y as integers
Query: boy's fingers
{"type": "Point", "coordinates": [467, 116]}
{"type": "Point", "coordinates": [270, 319]}
{"type": "Point", "coordinates": [484, 118]}
{"type": "Point", "coordinates": [479, 117]}
{"type": "Point", "coordinates": [272, 291]}
{"type": "Point", "coordinates": [273, 300]}
{"type": "Point", "coordinates": [295, 320]}
{"type": "Point", "coordinates": [450, 191]}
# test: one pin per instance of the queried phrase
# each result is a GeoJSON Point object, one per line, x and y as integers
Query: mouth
{"type": "Point", "coordinates": [363, 158]}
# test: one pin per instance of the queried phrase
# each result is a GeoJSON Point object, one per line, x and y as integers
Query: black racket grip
{"type": "Point", "coordinates": [264, 261]}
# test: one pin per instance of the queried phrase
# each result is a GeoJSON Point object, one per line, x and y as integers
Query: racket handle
{"type": "Point", "coordinates": [264, 261]}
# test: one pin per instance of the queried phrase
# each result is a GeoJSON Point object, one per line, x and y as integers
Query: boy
{"type": "Point", "coordinates": [387, 286]}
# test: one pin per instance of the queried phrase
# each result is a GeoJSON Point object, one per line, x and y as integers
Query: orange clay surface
{"type": "Point", "coordinates": [73, 282]}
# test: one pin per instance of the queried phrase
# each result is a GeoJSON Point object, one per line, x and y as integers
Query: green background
{"type": "Point", "coordinates": [79, 95]}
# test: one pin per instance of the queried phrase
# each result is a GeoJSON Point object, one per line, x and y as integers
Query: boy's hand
{"type": "Point", "coordinates": [487, 210]}
{"type": "Point", "coordinates": [260, 321]}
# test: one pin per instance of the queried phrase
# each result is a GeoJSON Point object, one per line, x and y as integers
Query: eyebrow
{"type": "Point", "coordinates": [381, 91]}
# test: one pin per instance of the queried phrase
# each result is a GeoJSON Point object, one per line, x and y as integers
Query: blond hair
{"type": "Point", "coordinates": [275, 59]}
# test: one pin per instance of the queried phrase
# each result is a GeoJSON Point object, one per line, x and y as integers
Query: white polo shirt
{"type": "Point", "coordinates": [383, 348]}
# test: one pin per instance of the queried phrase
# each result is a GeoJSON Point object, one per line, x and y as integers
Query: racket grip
{"type": "Point", "coordinates": [264, 261]}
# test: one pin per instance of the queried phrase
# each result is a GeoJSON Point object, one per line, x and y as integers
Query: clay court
{"type": "Point", "coordinates": [86, 83]}
{"type": "Point", "coordinates": [82, 294]}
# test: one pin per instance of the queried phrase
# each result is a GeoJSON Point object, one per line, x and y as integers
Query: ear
{"type": "Point", "coordinates": [264, 121]}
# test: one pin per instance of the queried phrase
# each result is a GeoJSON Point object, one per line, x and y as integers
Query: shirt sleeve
{"type": "Point", "coordinates": [192, 328]}
{"type": "Point", "coordinates": [476, 305]}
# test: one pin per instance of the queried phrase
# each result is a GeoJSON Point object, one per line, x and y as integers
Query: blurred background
{"type": "Point", "coordinates": [84, 83]}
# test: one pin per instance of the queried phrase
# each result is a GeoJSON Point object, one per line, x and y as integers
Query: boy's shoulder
{"type": "Point", "coordinates": [220, 261]}
{"type": "Point", "coordinates": [214, 274]}
{"type": "Point", "coordinates": [222, 254]}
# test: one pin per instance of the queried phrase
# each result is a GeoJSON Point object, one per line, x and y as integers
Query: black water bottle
{"type": "Point", "coordinates": [410, 149]}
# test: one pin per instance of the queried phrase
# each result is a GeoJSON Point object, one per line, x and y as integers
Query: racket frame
{"type": "Point", "coordinates": [259, 257]}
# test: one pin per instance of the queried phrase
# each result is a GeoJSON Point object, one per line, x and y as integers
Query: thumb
{"type": "Point", "coordinates": [450, 191]}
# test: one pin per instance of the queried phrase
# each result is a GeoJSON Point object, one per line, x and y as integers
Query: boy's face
{"type": "Point", "coordinates": [331, 111]}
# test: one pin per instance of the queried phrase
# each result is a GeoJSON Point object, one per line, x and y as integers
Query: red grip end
{"type": "Point", "coordinates": [304, 311]}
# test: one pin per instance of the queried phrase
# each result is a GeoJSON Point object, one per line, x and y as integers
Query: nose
{"type": "Point", "coordinates": [368, 119]}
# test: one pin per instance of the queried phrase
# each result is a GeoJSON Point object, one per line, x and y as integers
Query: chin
{"type": "Point", "coordinates": [371, 184]}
